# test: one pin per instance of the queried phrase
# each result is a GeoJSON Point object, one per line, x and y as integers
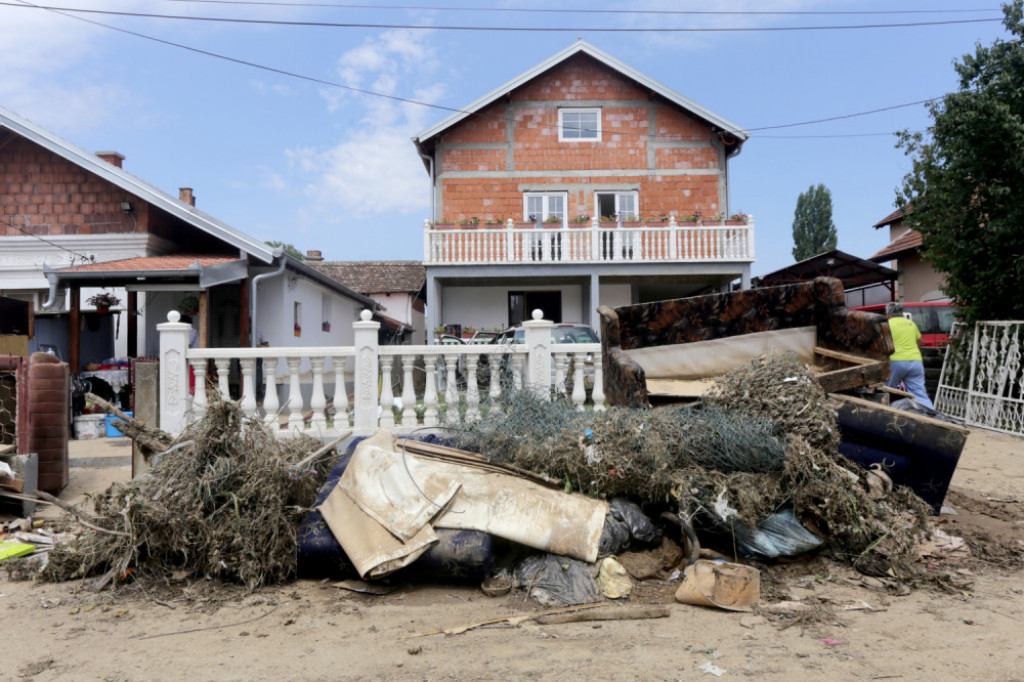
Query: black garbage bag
{"type": "Point", "coordinates": [640, 527]}
{"type": "Point", "coordinates": [778, 535]}
{"type": "Point", "coordinates": [557, 580]}
{"type": "Point", "coordinates": [615, 537]}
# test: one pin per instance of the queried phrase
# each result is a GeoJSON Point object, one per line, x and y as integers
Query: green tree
{"type": "Point", "coordinates": [289, 249]}
{"type": "Point", "coordinates": [967, 180]}
{"type": "Point", "coordinates": [813, 229]}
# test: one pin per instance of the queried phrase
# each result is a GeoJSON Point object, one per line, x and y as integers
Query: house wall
{"type": "Point", "coordinates": [45, 194]}
{"type": "Point", "coordinates": [918, 281]}
{"type": "Point", "coordinates": [486, 162]}
{"type": "Point", "coordinates": [486, 307]}
{"type": "Point", "coordinates": [615, 295]}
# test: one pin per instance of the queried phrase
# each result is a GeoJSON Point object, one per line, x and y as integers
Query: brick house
{"type": "Point", "coordinates": [579, 183]}
{"type": "Point", "coordinates": [74, 223]}
{"type": "Point", "coordinates": [916, 279]}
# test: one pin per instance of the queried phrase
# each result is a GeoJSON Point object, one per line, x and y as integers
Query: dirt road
{"type": "Point", "coordinates": [831, 624]}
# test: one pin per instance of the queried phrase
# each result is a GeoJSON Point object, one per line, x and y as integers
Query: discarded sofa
{"type": "Point", "coordinates": [670, 350]}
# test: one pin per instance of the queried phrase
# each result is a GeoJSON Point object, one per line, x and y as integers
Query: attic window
{"type": "Point", "coordinates": [579, 125]}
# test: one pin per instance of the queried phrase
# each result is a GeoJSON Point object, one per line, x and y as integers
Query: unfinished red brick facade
{"type": "Point", "coordinates": [673, 160]}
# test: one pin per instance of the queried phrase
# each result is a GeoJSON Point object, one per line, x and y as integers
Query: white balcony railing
{"type": "Point", "coordinates": [713, 241]}
{"type": "Point", "coordinates": [323, 391]}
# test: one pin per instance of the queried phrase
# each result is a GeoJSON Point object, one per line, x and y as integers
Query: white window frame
{"type": "Point", "coordinates": [545, 205]}
{"type": "Point", "coordinates": [587, 110]}
{"type": "Point", "coordinates": [635, 195]}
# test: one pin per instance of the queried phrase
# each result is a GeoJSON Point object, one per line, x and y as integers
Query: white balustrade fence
{"type": "Point", "coordinates": [590, 242]}
{"type": "Point", "coordinates": [322, 391]}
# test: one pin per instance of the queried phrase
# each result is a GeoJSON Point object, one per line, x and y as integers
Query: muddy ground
{"type": "Point", "coordinates": [817, 620]}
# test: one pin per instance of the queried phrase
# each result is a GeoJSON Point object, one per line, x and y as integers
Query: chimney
{"type": "Point", "coordinates": [113, 158]}
{"type": "Point", "coordinates": [314, 255]}
{"type": "Point", "coordinates": [186, 196]}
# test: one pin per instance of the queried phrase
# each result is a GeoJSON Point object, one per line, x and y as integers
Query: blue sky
{"type": "Point", "coordinates": [326, 168]}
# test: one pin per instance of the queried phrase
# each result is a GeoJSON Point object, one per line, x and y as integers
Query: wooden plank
{"type": "Point", "coordinates": [854, 377]}
{"type": "Point", "coordinates": [75, 329]}
{"type": "Point", "coordinates": [15, 484]}
{"type": "Point", "coordinates": [678, 388]}
{"type": "Point", "coordinates": [845, 357]}
{"type": "Point", "coordinates": [853, 401]}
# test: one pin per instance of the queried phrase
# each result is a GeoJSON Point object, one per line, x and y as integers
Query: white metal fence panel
{"type": "Point", "coordinates": [982, 380]}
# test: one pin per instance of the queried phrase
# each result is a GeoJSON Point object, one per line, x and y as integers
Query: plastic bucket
{"type": "Point", "coordinates": [89, 426]}
{"type": "Point", "coordinates": [111, 431]}
{"type": "Point", "coordinates": [734, 587]}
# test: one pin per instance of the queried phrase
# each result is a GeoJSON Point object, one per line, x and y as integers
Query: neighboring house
{"type": "Point", "coordinates": [916, 279]}
{"type": "Point", "coordinates": [399, 286]}
{"type": "Point", "coordinates": [73, 223]}
{"type": "Point", "coordinates": [521, 176]}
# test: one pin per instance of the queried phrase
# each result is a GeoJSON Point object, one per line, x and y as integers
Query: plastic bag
{"type": "Point", "coordinates": [640, 527]}
{"type": "Point", "coordinates": [778, 535]}
{"type": "Point", "coordinates": [557, 580]}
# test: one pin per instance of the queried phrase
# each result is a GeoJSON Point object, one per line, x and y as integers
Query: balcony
{"type": "Point", "coordinates": [710, 241]}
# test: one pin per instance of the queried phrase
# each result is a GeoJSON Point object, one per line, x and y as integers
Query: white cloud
{"type": "Point", "coordinates": [43, 76]}
{"type": "Point", "coordinates": [374, 168]}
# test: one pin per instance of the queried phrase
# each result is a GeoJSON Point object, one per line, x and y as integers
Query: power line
{"type": "Point", "coordinates": [504, 29]}
{"type": "Point", "coordinates": [541, 10]}
{"type": "Point", "coordinates": [405, 100]}
{"type": "Point", "coordinates": [85, 258]}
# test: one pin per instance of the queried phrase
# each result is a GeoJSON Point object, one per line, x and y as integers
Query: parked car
{"type": "Point", "coordinates": [561, 333]}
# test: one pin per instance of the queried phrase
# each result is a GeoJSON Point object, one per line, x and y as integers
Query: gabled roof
{"type": "Point", "coordinates": [375, 277]}
{"type": "Point", "coordinates": [129, 183]}
{"type": "Point", "coordinates": [907, 242]}
{"type": "Point", "coordinates": [583, 47]}
{"type": "Point", "coordinates": [895, 216]}
{"type": "Point", "coordinates": [181, 261]}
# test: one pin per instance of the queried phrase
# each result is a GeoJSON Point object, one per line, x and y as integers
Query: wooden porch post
{"type": "Point", "coordinates": [204, 318]}
{"type": "Point", "coordinates": [133, 324]}
{"type": "Point", "coordinates": [75, 329]}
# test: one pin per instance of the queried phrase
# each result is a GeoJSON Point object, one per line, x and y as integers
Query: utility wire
{"type": "Point", "coordinates": [528, 29]}
{"type": "Point", "coordinates": [405, 100]}
{"type": "Point", "coordinates": [87, 259]}
{"type": "Point", "coordinates": [542, 10]}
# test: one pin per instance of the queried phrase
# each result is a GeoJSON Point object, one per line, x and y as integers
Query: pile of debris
{"type": "Point", "coordinates": [223, 502]}
{"type": "Point", "coordinates": [572, 506]}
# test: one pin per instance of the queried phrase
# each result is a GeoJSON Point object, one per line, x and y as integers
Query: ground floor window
{"type": "Point", "coordinates": [521, 305]}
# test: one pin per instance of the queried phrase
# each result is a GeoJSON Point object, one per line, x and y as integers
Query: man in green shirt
{"type": "Point", "coordinates": [905, 365]}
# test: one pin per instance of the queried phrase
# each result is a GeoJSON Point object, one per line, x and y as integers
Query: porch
{"type": "Point", "coordinates": [707, 241]}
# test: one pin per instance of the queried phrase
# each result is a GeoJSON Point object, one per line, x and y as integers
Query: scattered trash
{"type": "Point", "coordinates": [613, 580]}
{"type": "Point", "coordinates": [832, 642]}
{"type": "Point", "coordinates": [557, 580]}
{"type": "Point", "coordinates": [778, 535]}
{"type": "Point", "coordinates": [724, 585]}
{"type": "Point", "coordinates": [751, 622]}
{"type": "Point", "coordinates": [365, 587]}
{"type": "Point", "coordinates": [711, 668]}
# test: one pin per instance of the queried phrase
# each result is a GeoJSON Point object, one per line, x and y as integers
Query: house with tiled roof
{"type": "Point", "coordinates": [74, 223]}
{"type": "Point", "coordinates": [580, 182]}
{"type": "Point", "coordinates": [916, 279]}
{"type": "Point", "coordinates": [398, 286]}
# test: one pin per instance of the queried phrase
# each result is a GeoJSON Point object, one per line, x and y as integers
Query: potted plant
{"type": "Point", "coordinates": [610, 221]}
{"type": "Point", "coordinates": [494, 223]}
{"type": "Point", "coordinates": [739, 218]}
{"type": "Point", "coordinates": [103, 301]}
{"type": "Point", "coordinates": [631, 220]}
{"type": "Point", "coordinates": [469, 223]}
{"type": "Point", "coordinates": [657, 221]}
{"type": "Point", "coordinates": [553, 222]}
{"type": "Point", "coordinates": [440, 225]}
{"type": "Point", "coordinates": [528, 224]}
{"type": "Point", "coordinates": [582, 220]}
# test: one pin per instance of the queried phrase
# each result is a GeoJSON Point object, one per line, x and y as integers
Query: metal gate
{"type": "Point", "coordinates": [982, 379]}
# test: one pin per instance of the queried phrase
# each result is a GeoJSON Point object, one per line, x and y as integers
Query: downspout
{"type": "Point", "coordinates": [430, 163]}
{"type": "Point", "coordinates": [51, 300]}
{"type": "Point", "coordinates": [278, 253]}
